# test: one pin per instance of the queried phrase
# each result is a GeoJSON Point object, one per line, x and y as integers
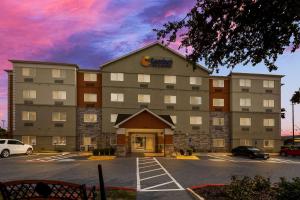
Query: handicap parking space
{"type": "Point", "coordinates": [153, 177]}
{"type": "Point", "coordinates": [62, 157]}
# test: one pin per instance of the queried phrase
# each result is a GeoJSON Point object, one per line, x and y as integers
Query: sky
{"type": "Point", "coordinates": [92, 32]}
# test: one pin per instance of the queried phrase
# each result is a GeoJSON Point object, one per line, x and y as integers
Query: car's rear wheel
{"type": "Point", "coordinates": [29, 151]}
{"type": "Point", "coordinates": [5, 153]}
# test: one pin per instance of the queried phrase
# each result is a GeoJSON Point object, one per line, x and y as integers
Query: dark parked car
{"type": "Point", "coordinates": [249, 151]}
{"type": "Point", "coordinates": [290, 151]}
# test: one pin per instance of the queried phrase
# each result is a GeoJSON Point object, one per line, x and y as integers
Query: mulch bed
{"type": "Point", "coordinates": [212, 192]}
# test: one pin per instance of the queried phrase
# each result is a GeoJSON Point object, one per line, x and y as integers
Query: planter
{"type": "Point", "coordinates": [208, 192]}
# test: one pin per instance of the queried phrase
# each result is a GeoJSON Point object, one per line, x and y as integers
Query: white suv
{"type": "Point", "coordinates": [12, 146]}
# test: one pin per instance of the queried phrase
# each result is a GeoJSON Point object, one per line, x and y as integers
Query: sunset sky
{"type": "Point", "coordinates": [91, 32]}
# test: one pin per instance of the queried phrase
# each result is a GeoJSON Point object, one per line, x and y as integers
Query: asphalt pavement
{"type": "Point", "coordinates": [154, 178]}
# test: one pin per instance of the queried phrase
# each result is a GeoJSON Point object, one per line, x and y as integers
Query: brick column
{"type": "Point", "coordinates": [121, 142]}
{"type": "Point", "coordinates": [168, 142]}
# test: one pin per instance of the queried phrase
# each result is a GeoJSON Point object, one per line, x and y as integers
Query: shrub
{"type": "Point", "coordinates": [104, 151]}
{"type": "Point", "coordinates": [189, 152]}
{"type": "Point", "coordinates": [288, 190]}
{"type": "Point", "coordinates": [247, 188]}
{"type": "Point", "coordinates": [181, 152]}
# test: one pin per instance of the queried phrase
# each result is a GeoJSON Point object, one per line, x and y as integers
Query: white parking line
{"type": "Point", "coordinates": [155, 178]}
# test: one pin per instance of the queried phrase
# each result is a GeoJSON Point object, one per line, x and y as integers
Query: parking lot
{"type": "Point", "coordinates": [162, 178]}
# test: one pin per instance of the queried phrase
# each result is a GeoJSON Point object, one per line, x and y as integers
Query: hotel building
{"type": "Point", "coordinates": [150, 100]}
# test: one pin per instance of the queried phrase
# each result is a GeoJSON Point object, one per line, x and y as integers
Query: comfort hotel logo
{"type": "Point", "coordinates": [149, 61]}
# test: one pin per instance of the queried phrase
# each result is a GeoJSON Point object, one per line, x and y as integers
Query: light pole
{"type": "Point", "coordinates": [293, 123]}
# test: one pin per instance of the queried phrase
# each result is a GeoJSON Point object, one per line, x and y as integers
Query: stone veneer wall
{"type": "Point", "coordinates": [220, 132]}
{"type": "Point", "coordinates": [92, 130]}
{"type": "Point", "coordinates": [198, 141]}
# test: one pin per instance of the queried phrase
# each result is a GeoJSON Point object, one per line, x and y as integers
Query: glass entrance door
{"type": "Point", "coordinates": [142, 143]}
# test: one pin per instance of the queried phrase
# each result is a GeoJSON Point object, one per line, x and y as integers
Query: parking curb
{"type": "Point", "coordinates": [197, 196]}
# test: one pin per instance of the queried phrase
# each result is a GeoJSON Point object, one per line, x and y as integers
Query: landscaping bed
{"type": "Point", "coordinates": [246, 188]}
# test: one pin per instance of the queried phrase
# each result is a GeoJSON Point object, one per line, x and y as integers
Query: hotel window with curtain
{"type": "Point", "coordinates": [218, 121]}
{"type": "Point", "coordinates": [143, 78]}
{"type": "Point", "coordinates": [59, 95]}
{"type": "Point", "coordinates": [218, 143]}
{"type": "Point", "coordinates": [268, 84]}
{"type": "Point", "coordinates": [170, 79]}
{"type": "Point", "coordinates": [117, 97]}
{"type": "Point", "coordinates": [28, 116]}
{"type": "Point", "coordinates": [245, 142]}
{"type": "Point", "coordinates": [113, 117]}
{"type": "Point", "coordinates": [91, 77]}
{"type": "Point", "coordinates": [59, 140]}
{"type": "Point", "coordinates": [195, 120]}
{"type": "Point", "coordinates": [116, 76]}
{"type": "Point", "coordinates": [29, 94]}
{"type": "Point", "coordinates": [58, 73]}
{"type": "Point", "coordinates": [268, 143]}
{"type": "Point", "coordinates": [31, 140]}
{"type": "Point", "coordinates": [269, 122]}
{"type": "Point", "coordinates": [218, 102]}
{"type": "Point", "coordinates": [195, 80]}
{"type": "Point", "coordinates": [218, 83]}
{"type": "Point", "coordinates": [245, 82]}
{"type": "Point", "coordinates": [245, 121]}
{"type": "Point", "coordinates": [28, 72]}
{"type": "Point", "coordinates": [245, 102]}
{"type": "Point", "coordinates": [268, 103]}
{"type": "Point", "coordinates": [90, 97]}
{"type": "Point", "coordinates": [174, 118]}
{"type": "Point", "coordinates": [168, 99]}
{"type": "Point", "coordinates": [195, 100]}
{"type": "Point", "coordinates": [89, 118]}
{"type": "Point", "coordinates": [143, 98]}
{"type": "Point", "coordinates": [59, 116]}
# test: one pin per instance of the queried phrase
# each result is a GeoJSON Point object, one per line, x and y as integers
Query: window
{"type": "Point", "coordinates": [196, 120]}
{"type": "Point", "coordinates": [28, 72]}
{"type": "Point", "coordinates": [269, 143]}
{"type": "Point", "coordinates": [28, 116]}
{"type": "Point", "coordinates": [269, 122]}
{"type": "Point", "coordinates": [31, 140]}
{"type": "Point", "coordinates": [59, 95]}
{"type": "Point", "coordinates": [170, 79]}
{"type": "Point", "coordinates": [29, 94]}
{"type": "Point", "coordinates": [116, 97]}
{"type": "Point", "coordinates": [90, 118]}
{"type": "Point", "coordinates": [58, 73]}
{"type": "Point", "coordinates": [113, 117]}
{"type": "Point", "coordinates": [59, 116]}
{"type": "Point", "coordinates": [174, 118]}
{"type": "Point", "coordinates": [195, 100]}
{"type": "Point", "coordinates": [218, 143]}
{"type": "Point", "coordinates": [87, 140]}
{"type": "Point", "coordinates": [218, 121]}
{"type": "Point", "coordinates": [268, 84]}
{"type": "Point", "coordinates": [144, 98]}
{"type": "Point", "coordinates": [59, 140]}
{"type": "Point", "coordinates": [268, 103]}
{"type": "Point", "coordinates": [245, 102]}
{"type": "Point", "coordinates": [245, 121]}
{"type": "Point", "coordinates": [195, 80]}
{"type": "Point", "coordinates": [170, 99]}
{"type": "Point", "coordinates": [245, 142]}
{"type": "Point", "coordinates": [2, 141]}
{"type": "Point", "coordinates": [218, 102]}
{"type": "Point", "coordinates": [116, 76]}
{"type": "Point", "coordinates": [90, 97]}
{"type": "Point", "coordinates": [143, 78]}
{"type": "Point", "coordinates": [245, 82]}
{"type": "Point", "coordinates": [218, 83]}
{"type": "Point", "coordinates": [90, 77]}
{"type": "Point", "coordinates": [15, 142]}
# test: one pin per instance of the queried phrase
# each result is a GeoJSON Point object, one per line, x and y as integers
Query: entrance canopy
{"type": "Point", "coordinates": [144, 119]}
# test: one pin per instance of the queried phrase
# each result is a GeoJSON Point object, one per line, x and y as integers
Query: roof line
{"type": "Point", "coordinates": [43, 62]}
{"type": "Point", "coordinates": [251, 74]}
{"type": "Point", "coordinates": [137, 113]}
{"type": "Point", "coordinates": [147, 46]}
